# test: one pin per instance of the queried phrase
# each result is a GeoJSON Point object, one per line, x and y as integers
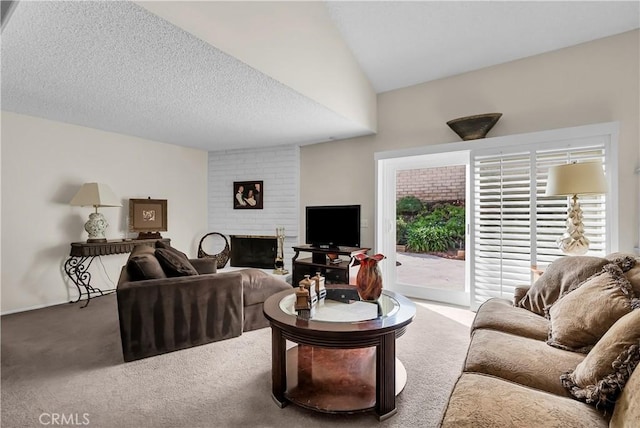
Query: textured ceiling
{"type": "Point", "coordinates": [400, 44]}
{"type": "Point", "coordinates": [115, 66]}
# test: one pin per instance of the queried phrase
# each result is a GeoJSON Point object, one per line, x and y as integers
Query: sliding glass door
{"type": "Point", "coordinates": [510, 225]}
{"type": "Point", "coordinates": [426, 236]}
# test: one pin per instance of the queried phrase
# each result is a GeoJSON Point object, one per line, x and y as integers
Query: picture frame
{"type": "Point", "coordinates": [147, 215]}
{"type": "Point", "coordinates": [248, 195]}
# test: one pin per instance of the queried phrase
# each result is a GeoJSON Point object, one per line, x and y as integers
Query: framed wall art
{"type": "Point", "coordinates": [248, 195]}
{"type": "Point", "coordinates": [148, 217]}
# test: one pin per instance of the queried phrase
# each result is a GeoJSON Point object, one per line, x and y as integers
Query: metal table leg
{"type": "Point", "coordinates": [77, 268]}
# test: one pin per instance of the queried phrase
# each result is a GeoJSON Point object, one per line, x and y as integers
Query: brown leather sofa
{"type": "Point", "coordinates": [160, 312]}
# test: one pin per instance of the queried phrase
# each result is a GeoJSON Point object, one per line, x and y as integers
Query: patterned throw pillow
{"type": "Point", "coordinates": [601, 376]}
{"type": "Point", "coordinates": [582, 316]}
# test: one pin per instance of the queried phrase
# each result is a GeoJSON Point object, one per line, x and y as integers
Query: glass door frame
{"type": "Point", "coordinates": [386, 228]}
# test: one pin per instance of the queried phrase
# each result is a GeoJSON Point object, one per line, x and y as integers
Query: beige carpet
{"type": "Point", "coordinates": [68, 361]}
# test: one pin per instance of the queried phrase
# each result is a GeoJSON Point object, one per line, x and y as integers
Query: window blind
{"type": "Point", "coordinates": [515, 225]}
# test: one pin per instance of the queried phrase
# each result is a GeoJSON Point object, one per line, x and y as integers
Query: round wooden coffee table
{"type": "Point", "coordinates": [345, 358]}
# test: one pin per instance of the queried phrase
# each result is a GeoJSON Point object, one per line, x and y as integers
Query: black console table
{"type": "Point", "coordinates": [336, 272]}
{"type": "Point", "coordinates": [82, 255]}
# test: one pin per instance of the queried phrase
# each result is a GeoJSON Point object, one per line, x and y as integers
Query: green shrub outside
{"type": "Point", "coordinates": [429, 239]}
{"type": "Point", "coordinates": [401, 231]}
{"type": "Point", "coordinates": [409, 205]}
{"type": "Point", "coordinates": [437, 229]}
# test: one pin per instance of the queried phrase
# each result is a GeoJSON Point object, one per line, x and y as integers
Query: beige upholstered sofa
{"type": "Point", "coordinates": [168, 302]}
{"type": "Point", "coordinates": [514, 377]}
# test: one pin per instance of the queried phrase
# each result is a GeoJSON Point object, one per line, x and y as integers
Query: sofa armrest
{"type": "Point", "coordinates": [204, 265]}
{"type": "Point", "coordinates": [519, 293]}
{"type": "Point", "coordinates": [162, 315]}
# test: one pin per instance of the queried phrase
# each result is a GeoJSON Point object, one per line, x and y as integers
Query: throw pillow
{"type": "Point", "coordinates": [175, 264]}
{"type": "Point", "coordinates": [559, 276]}
{"type": "Point", "coordinates": [633, 268]}
{"type": "Point", "coordinates": [582, 316]}
{"type": "Point", "coordinates": [601, 376]}
{"type": "Point", "coordinates": [163, 245]}
{"type": "Point", "coordinates": [144, 265]}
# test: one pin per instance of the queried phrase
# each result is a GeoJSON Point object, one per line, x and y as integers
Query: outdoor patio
{"type": "Point", "coordinates": [430, 271]}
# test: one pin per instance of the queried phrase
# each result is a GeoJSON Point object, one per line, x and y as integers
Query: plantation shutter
{"type": "Point", "coordinates": [515, 225]}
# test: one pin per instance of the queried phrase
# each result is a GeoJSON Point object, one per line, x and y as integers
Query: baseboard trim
{"type": "Point", "coordinates": [31, 308]}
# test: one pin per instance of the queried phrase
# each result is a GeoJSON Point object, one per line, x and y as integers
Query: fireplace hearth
{"type": "Point", "coordinates": [253, 251]}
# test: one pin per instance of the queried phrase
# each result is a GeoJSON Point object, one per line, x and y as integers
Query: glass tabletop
{"type": "Point", "coordinates": [334, 311]}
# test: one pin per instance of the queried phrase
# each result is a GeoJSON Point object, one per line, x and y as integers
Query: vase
{"type": "Point", "coordinates": [369, 279]}
{"type": "Point", "coordinates": [474, 127]}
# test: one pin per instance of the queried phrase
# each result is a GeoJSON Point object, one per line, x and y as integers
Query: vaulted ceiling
{"type": "Point", "coordinates": [223, 75]}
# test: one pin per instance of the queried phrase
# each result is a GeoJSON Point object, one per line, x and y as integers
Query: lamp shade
{"type": "Point", "coordinates": [97, 195]}
{"type": "Point", "coordinates": [576, 179]}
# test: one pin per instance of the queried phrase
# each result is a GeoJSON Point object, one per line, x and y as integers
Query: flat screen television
{"type": "Point", "coordinates": [333, 226]}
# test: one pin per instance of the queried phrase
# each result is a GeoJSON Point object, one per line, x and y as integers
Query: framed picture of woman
{"type": "Point", "coordinates": [248, 195]}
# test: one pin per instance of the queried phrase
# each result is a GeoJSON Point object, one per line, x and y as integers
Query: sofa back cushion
{"type": "Point", "coordinates": [558, 278]}
{"type": "Point", "coordinates": [600, 377]}
{"type": "Point", "coordinates": [581, 317]}
{"type": "Point", "coordinates": [143, 264]}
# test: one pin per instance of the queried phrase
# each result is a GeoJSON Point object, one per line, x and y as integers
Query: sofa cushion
{"type": "Point", "coordinates": [257, 286]}
{"type": "Point", "coordinates": [627, 412]}
{"type": "Point", "coordinates": [143, 264]}
{"type": "Point", "coordinates": [175, 264]}
{"type": "Point", "coordinates": [558, 277]}
{"type": "Point", "coordinates": [480, 400]}
{"type": "Point", "coordinates": [522, 360]}
{"type": "Point", "coordinates": [603, 373]}
{"type": "Point", "coordinates": [500, 314]}
{"type": "Point", "coordinates": [581, 317]}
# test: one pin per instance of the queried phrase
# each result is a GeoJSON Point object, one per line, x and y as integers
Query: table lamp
{"type": "Point", "coordinates": [575, 179]}
{"type": "Point", "coordinates": [96, 195]}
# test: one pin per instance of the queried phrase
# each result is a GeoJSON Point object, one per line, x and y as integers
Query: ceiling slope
{"type": "Point", "coordinates": [296, 43]}
{"type": "Point", "coordinates": [404, 43]}
{"type": "Point", "coordinates": [117, 67]}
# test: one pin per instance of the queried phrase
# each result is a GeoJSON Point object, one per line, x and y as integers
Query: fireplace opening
{"type": "Point", "coordinates": [253, 251]}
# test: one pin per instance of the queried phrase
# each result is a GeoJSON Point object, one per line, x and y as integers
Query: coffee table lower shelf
{"type": "Point", "coordinates": [335, 380]}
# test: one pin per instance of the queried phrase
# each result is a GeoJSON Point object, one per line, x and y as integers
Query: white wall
{"type": "Point", "coordinates": [279, 169]}
{"type": "Point", "coordinates": [45, 162]}
{"type": "Point", "coordinates": [594, 82]}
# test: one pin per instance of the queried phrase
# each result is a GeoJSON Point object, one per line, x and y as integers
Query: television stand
{"type": "Point", "coordinates": [339, 272]}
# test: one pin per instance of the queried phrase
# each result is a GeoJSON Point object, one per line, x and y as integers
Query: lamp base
{"type": "Point", "coordinates": [95, 227]}
{"type": "Point", "coordinates": [573, 241]}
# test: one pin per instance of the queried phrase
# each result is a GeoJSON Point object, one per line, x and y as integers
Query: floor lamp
{"type": "Point", "coordinates": [573, 179]}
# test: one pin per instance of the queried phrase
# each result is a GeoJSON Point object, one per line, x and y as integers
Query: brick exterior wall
{"type": "Point", "coordinates": [279, 169]}
{"type": "Point", "coordinates": [445, 183]}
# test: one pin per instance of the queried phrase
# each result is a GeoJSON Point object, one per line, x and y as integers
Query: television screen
{"type": "Point", "coordinates": [333, 226]}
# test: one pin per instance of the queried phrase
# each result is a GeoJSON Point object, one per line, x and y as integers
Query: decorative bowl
{"type": "Point", "coordinates": [474, 127]}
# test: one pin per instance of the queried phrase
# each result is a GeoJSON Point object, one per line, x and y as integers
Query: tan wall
{"type": "Point", "coordinates": [593, 82]}
{"type": "Point", "coordinates": [45, 162]}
